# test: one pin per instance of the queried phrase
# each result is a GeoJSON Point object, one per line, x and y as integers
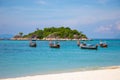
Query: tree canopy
{"type": "Point", "coordinates": [60, 32]}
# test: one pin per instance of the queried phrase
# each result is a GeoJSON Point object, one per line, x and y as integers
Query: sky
{"type": "Point", "coordinates": [95, 18]}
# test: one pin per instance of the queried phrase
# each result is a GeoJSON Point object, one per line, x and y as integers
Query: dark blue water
{"type": "Point", "coordinates": [18, 59]}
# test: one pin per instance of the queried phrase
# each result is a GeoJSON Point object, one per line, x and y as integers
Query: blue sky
{"type": "Point", "coordinates": [95, 18]}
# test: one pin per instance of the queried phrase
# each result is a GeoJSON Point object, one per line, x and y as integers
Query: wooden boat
{"type": "Point", "coordinates": [54, 45]}
{"type": "Point", "coordinates": [33, 43]}
{"type": "Point", "coordinates": [103, 45]}
{"type": "Point", "coordinates": [94, 47]}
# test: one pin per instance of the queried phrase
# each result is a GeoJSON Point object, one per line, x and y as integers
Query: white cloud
{"type": "Point", "coordinates": [104, 29]}
{"type": "Point", "coordinates": [110, 28]}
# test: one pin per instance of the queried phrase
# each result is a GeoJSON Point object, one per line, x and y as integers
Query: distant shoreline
{"type": "Point", "coordinates": [26, 39]}
{"type": "Point", "coordinates": [62, 39]}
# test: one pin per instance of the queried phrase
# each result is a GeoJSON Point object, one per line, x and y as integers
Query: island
{"type": "Point", "coordinates": [52, 33]}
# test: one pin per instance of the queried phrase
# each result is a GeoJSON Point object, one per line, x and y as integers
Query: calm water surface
{"type": "Point", "coordinates": [18, 59]}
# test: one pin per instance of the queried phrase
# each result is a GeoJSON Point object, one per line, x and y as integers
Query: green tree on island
{"type": "Point", "coordinates": [57, 32]}
{"type": "Point", "coordinates": [21, 34]}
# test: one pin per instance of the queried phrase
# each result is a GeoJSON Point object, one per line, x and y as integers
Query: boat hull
{"type": "Point", "coordinates": [54, 46]}
{"type": "Point", "coordinates": [33, 44]}
{"type": "Point", "coordinates": [89, 47]}
{"type": "Point", "coordinates": [103, 45]}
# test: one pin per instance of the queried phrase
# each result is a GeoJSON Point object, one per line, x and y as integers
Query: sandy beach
{"type": "Point", "coordinates": [111, 73]}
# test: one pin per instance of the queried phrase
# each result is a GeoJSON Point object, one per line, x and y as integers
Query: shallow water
{"type": "Point", "coordinates": [18, 59]}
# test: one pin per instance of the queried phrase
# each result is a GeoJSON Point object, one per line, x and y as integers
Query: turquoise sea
{"type": "Point", "coordinates": [18, 59]}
